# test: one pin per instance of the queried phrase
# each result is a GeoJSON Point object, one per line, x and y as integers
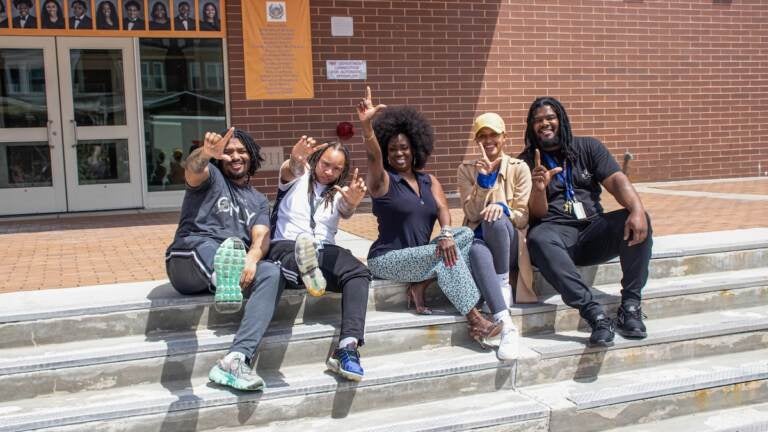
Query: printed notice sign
{"type": "Point", "coordinates": [346, 69]}
{"type": "Point", "coordinates": [278, 49]}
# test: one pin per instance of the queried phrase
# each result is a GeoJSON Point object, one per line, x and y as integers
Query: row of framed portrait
{"type": "Point", "coordinates": [110, 16]}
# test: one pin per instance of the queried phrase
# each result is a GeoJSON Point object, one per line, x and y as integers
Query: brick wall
{"type": "Point", "coordinates": [682, 84]}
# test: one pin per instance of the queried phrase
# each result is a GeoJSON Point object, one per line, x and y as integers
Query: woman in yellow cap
{"type": "Point", "coordinates": [494, 193]}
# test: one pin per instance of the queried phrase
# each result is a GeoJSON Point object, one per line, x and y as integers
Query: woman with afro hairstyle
{"type": "Point", "coordinates": [407, 202]}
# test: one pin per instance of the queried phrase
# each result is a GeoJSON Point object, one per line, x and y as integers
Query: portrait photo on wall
{"type": "Point", "coordinates": [209, 15]}
{"type": "Point", "coordinates": [3, 15]}
{"type": "Point", "coordinates": [106, 15]}
{"type": "Point", "coordinates": [51, 14]}
{"type": "Point", "coordinates": [23, 14]}
{"type": "Point", "coordinates": [185, 16]}
{"type": "Point", "coordinates": [80, 15]}
{"type": "Point", "coordinates": [133, 15]}
{"type": "Point", "coordinates": [159, 19]}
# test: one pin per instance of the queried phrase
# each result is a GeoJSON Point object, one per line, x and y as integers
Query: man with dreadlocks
{"type": "Point", "coordinates": [310, 201]}
{"type": "Point", "coordinates": [222, 237]}
{"type": "Point", "coordinates": [569, 226]}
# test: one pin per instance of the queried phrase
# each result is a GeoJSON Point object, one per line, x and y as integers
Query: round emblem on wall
{"type": "Point", "coordinates": [276, 11]}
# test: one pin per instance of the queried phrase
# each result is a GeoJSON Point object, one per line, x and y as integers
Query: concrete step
{"type": "Point", "coordinates": [294, 392]}
{"type": "Point", "coordinates": [148, 307]}
{"type": "Point", "coordinates": [656, 393]}
{"type": "Point", "coordinates": [505, 407]}
{"type": "Point", "coordinates": [48, 322]}
{"type": "Point", "coordinates": [749, 418]}
{"type": "Point", "coordinates": [119, 362]}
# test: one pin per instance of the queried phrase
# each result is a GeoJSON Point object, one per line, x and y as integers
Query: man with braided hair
{"type": "Point", "coordinates": [569, 227]}
{"type": "Point", "coordinates": [222, 237]}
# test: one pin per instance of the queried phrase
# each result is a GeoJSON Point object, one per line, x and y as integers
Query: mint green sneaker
{"type": "Point", "coordinates": [233, 371]}
{"type": "Point", "coordinates": [228, 265]}
{"type": "Point", "coordinates": [306, 259]}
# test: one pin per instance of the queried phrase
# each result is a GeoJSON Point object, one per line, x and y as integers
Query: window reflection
{"type": "Point", "coordinates": [22, 88]}
{"type": "Point", "coordinates": [25, 165]}
{"type": "Point", "coordinates": [102, 161]}
{"type": "Point", "coordinates": [97, 87]}
{"type": "Point", "coordinates": [183, 91]}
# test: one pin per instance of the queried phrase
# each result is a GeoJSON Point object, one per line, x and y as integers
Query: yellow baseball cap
{"type": "Point", "coordinates": [490, 120]}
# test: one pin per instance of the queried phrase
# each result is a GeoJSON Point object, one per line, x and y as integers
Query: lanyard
{"type": "Point", "coordinates": [313, 204]}
{"type": "Point", "coordinates": [564, 176]}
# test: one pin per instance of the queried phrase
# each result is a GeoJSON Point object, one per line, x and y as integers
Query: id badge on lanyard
{"type": "Point", "coordinates": [571, 205]}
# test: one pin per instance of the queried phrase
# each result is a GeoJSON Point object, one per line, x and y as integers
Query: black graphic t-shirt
{"type": "Point", "coordinates": [219, 209]}
{"type": "Point", "coordinates": [594, 163]}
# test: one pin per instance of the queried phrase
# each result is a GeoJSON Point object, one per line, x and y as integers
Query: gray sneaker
{"type": "Point", "coordinates": [233, 371]}
{"type": "Point", "coordinates": [306, 259]}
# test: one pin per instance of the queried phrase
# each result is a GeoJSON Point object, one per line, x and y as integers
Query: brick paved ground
{"type": "Point", "coordinates": [102, 249]}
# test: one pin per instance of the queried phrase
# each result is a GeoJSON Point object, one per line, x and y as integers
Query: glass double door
{"type": "Point", "coordinates": [69, 138]}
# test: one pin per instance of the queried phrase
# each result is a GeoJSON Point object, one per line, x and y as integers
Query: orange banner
{"type": "Point", "coordinates": [277, 45]}
{"type": "Point", "coordinates": [132, 18]}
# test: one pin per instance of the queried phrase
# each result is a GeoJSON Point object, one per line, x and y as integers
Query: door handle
{"type": "Point", "coordinates": [74, 131]}
{"type": "Point", "coordinates": [51, 134]}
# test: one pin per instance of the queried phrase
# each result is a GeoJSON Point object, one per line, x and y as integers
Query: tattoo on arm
{"type": "Point", "coordinates": [196, 163]}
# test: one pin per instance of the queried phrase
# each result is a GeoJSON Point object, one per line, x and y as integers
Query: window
{"type": "Point", "coordinates": [179, 107]}
{"type": "Point", "coordinates": [214, 76]}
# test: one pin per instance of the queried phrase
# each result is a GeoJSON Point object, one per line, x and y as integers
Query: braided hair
{"type": "Point", "coordinates": [564, 132]}
{"type": "Point", "coordinates": [409, 122]}
{"type": "Point", "coordinates": [254, 151]}
{"type": "Point", "coordinates": [330, 192]}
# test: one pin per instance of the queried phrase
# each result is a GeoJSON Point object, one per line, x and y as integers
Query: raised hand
{"type": "Point", "coordinates": [354, 192]}
{"type": "Point", "coordinates": [304, 148]}
{"type": "Point", "coordinates": [540, 175]}
{"type": "Point", "coordinates": [213, 145]}
{"type": "Point", "coordinates": [365, 108]}
{"type": "Point", "coordinates": [484, 165]}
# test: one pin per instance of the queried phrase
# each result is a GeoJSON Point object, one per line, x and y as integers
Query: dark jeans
{"type": "Point", "coordinates": [343, 273]}
{"type": "Point", "coordinates": [188, 277]}
{"type": "Point", "coordinates": [557, 249]}
{"type": "Point", "coordinates": [499, 246]}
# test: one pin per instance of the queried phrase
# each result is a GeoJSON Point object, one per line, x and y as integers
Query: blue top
{"type": "Point", "coordinates": [405, 219]}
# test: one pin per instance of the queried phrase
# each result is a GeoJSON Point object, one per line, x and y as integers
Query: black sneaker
{"type": "Point", "coordinates": [602, 331]}
{"type": "Point", "coordinates": [629, 322]}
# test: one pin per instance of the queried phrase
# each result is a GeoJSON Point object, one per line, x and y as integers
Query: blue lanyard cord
{"type": "Point", "coordinates": [565, 176]}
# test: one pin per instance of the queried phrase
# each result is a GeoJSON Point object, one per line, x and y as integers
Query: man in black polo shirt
{"type": "Point", "coordinates": [569, 227]}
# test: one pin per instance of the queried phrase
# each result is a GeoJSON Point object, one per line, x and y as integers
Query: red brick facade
{"type": "Point", "coordinates": [681, 84]}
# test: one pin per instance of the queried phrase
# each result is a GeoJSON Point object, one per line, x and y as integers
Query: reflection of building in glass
{"type": "Point", "coordinates": [22, 89]}
{"type": "Point", "coordinates": [183, 94]}
{"type": "Point", "coordinates": [97, 87]}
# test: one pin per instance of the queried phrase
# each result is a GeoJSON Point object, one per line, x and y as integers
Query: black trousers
{"type": "Point", "coordinates": [557, 249]}
{"type": "Point", "coordinates": [343, 273]}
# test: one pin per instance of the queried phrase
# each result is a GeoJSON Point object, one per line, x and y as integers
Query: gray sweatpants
{"type": "Point", "coordinates": [189, 277]}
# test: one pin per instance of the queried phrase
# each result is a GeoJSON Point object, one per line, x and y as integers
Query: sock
{"type": "Point", "coordinates": [343, 343]}
{"type": "Point", "coordinates": [506, 289]}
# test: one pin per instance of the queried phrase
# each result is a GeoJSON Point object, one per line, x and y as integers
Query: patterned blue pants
{"type": "Point", "coordinates": [417, 264]}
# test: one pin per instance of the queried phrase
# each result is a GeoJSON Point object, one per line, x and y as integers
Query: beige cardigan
{"type": "Point", "coordinates": [513, 186]}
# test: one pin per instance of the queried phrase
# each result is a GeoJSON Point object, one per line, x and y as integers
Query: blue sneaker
{"type": "Point", "coordinates": [228, 264]}
{"type": "Point", "coordinates": [346, 362]}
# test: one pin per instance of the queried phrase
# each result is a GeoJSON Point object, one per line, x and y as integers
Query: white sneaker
{"type": "Point", "coordinates": [508, 347]}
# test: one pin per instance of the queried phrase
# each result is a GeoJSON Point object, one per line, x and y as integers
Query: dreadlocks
{"type": "Point", "coordinates": [329, 192]}
{"type": "Point", "coordinates": [254, 151]}
{"type": "Point", "coordinates": [564, 133]}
